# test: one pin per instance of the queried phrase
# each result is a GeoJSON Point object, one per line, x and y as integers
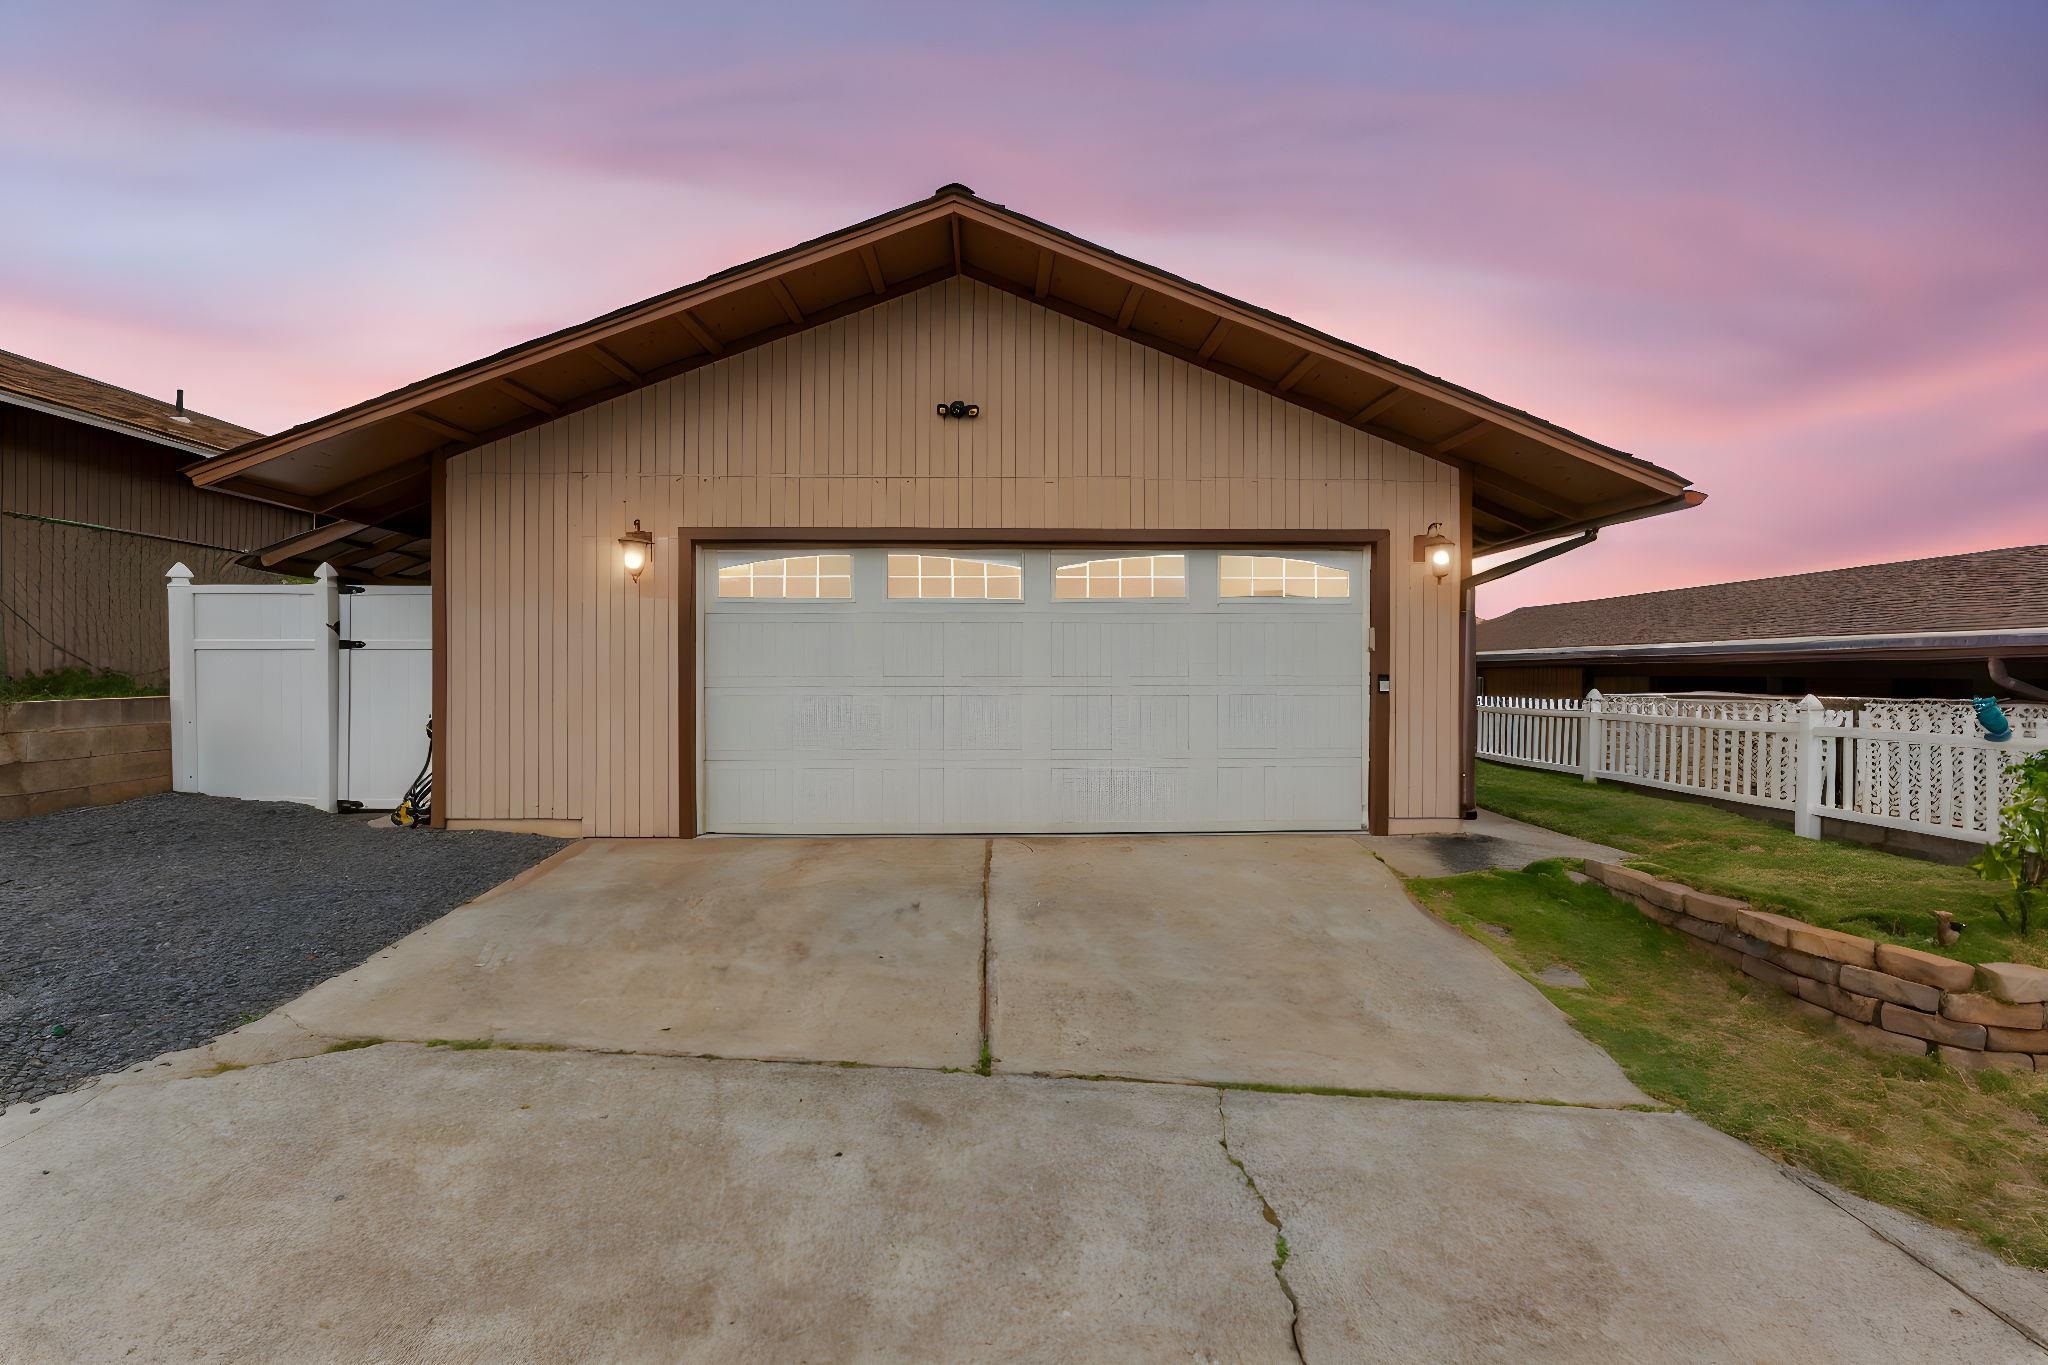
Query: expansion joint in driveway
{"type": "Point", "coordinates": [986, 1064]}
{"type": "Point", "coordinates": [1280, 1250]}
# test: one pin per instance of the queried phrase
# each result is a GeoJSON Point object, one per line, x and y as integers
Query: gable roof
{"type": "Point", "coordinates": [370, 461]}
{"type": "Point", "coordinates": [45, 388]}
{"type": "Point", "coordinates": [1993, 593]}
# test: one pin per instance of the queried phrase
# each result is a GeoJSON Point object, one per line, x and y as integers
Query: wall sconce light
{"type": "Point", "coordinates": [636, 549]}
{"type": "Point", "coordinates": [959, 408]}
{"type": "Point", "coordinates": [1435, 549]}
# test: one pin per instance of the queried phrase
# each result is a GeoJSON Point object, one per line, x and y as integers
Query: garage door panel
{"type": "Point", "coordinates": [1290, 795]}
{"type": "Point", "coordinates": [882, 715]}
{"type": "Point", "coordinates": [823, 723]}
{"type": "Point", "coordinates": [1325, 648]}
{"type": "Point", "coordinates": [1328, 722]}
{"type": "Point", "coordinates": [985, 649]}
{"type": "Point", "coordinates": [1146, 725]}
{"type": "Point", "coordinates": [780, 647]}
{"type": "Point", "coordinates": [1122, 796]}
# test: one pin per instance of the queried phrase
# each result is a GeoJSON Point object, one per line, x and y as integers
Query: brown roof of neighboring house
{"type": "Point", "coordinates": [47, 387]}
{"type": "Point", "coordinates": [1989, 590]}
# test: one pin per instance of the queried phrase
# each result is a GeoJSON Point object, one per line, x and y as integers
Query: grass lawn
{"type": "Point", "coordinates": [1969, 1151]}
{"type": "Point", "coordinates": [1844, 886]}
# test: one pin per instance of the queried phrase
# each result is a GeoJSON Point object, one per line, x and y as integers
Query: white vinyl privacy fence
{"type": "Point", "coordinates": [1922, 766]}
{"type": "Point", "coordinates": [310, 692]}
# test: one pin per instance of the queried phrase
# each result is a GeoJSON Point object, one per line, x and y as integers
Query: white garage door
{"type": "Point", "coordinates": [878, 691]}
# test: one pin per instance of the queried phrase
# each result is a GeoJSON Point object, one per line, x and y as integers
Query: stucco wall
{"type": "Point", "coordinates": [563, 687]}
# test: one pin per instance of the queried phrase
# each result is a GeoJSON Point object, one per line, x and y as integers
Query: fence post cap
{"type": "Point", "coordinates": [325, 571]}
{"type": "Point", "coordinates": [178, 573]}
{"type": "Point", "coordinates": [1809, 702]}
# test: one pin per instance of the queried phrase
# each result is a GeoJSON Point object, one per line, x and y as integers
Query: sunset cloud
{"type": "Point", "coordinates": [1793, 251]}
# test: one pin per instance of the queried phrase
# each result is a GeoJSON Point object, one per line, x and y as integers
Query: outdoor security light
{"type": "Point", "coordinates": [1436, 549]}
{"type": "Point", "coordinates": [636, 548]}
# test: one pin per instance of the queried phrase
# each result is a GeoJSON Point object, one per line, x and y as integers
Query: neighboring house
{"type": "Point", "coordinates": [1950, 626]}
{"type": "Point", "coordinates": [94, 509]}
{"type": "Point", "coordinates": [1166, 568]}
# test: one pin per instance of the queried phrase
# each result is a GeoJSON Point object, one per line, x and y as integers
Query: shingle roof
{"type": "Point", "coordinates": [1989, 590]}
{"type": "Point", "coordinates": [50, 386]}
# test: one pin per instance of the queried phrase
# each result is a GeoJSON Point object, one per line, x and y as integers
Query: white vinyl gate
{"type": "Point", "coordinates": [305, 692]}
{"type": "Point", "coordinates": [870, 712]}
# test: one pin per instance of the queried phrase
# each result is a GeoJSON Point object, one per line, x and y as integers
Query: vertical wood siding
{"type": "Point", "coordinates": [72, 472]}
{"type": "Point", "coordinates": [81, 597]}
{"type": "Point", "coordinates": [562, 672]}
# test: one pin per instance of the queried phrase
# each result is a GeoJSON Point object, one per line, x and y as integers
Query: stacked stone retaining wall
{"type": "Point", "coordinates": [1883, 995]}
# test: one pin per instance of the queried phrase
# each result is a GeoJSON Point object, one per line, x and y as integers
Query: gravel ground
{"type": "Point", "coordinates": [153, 925]}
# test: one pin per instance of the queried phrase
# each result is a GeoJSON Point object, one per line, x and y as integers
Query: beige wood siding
{"type": "Point", "coordinates": [562, 682]}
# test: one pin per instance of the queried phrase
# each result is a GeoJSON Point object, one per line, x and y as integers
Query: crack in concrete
{"type": "Point", "coordinates": [985, 1062]}
{"type": "Point", "coordinates": [1272, 1216]}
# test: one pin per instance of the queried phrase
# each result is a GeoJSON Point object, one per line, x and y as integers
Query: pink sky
{"type": "Point", "coordinates": [1793, 251]}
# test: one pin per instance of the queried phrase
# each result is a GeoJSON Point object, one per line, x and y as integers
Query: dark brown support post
{"type": "Point", "coordinates": [437, 514]}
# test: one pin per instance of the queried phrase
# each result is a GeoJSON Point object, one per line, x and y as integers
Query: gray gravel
{"type": "Point", "coordinates": [156, 924]}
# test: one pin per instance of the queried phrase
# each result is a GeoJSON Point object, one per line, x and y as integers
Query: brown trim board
{"type": "Point", "coordinates": [438, 747]}
{"type": "Point", "coordinates": [691, 539]}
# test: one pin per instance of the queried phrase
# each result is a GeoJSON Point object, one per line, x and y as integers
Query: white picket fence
{"type": "Point", "coordinates": [306, 692]}
{"type": "Point", "coordinates": [1909, 765]}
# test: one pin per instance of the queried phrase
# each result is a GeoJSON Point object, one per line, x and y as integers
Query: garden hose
{"type": "Point", "coordinates": [417, 806]}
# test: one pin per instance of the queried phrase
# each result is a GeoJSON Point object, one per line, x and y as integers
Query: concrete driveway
{"type": "Point", "coordinates": [715, 1100]}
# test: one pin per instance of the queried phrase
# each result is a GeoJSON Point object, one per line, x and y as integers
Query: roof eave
{"type": "Point", "coordinates": [90, 419]}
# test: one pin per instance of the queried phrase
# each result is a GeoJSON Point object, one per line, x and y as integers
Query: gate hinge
{"type": "Point", "coordinates": [352, 644]}
{"type": "Point", "coordinates": [348, 807]}
{"type": "Point", "coordinates": [348, 587]}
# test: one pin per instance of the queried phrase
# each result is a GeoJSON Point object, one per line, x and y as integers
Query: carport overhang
{"type": "Point", "coordinates": [374, 464]}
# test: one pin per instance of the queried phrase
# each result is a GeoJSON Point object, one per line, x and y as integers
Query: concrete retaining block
{"type": "Point", "coordinates": [1834, 945]}
{"type": "Point", "coordinates": [1882, 1040]}
{"type": "Point", "coordinates": [1775, 930]}
{"type": "Point", "coordinates": [1982, 1009]}
{"type": "Point", "coordinates": [1932, 1027]}
{"type": "Point", "coordinates": [1713, 909]}
{"type": "Point", "coordinates": [1914, 965]}
{"type": "Point", "coordinates": [1965, 1060]}
{"type": "Point", "coordinates": [1861, 1008]}
{"type": "Point", "coordinates": [1896, 990]}
{"type": "Point", "coordinates": [2012, 982]}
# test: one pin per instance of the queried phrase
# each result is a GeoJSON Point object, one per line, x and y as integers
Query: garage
{"type": "Point", "coordinates": [948, 520]}
{"type": "Point", "coordinates": [985, 689]}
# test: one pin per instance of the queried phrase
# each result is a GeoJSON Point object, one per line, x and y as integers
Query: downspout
{"type": "Point", "coordinates": [1468, 651]}
{"type": "Point", "coordinates": [1996, 668]}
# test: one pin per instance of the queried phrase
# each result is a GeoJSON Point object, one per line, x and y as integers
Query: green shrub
{"type": "Point", "coordinates": [2020, 857]}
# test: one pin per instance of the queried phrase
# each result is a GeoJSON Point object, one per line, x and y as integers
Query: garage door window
{"type": "Point", "coordinates": [813, 577]}
{"type": "Point", "coordinates": [1122, 579]}
{"type": "Point", "coordinates": [950, 578]}
{"type": "Point", "coordinates": [1240, 576]}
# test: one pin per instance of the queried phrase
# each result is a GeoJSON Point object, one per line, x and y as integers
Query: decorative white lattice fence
{"type": "Point", "coordinates": [1911, 765]}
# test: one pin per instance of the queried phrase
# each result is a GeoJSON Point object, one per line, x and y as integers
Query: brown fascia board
{"type": "Point", "coordinates": [573, 338]}
{"type": "Point", "coordinates": [958, 203]}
